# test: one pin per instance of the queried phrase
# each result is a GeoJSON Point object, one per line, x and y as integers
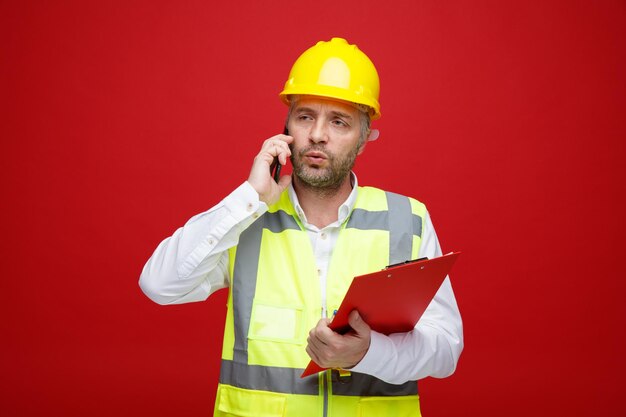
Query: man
{"type": "Point", "coordinates": [288, 251]}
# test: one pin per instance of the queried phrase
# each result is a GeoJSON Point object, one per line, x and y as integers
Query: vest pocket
{"type": "Point", "coordinates": [276, 323]}
{"type": "Point", "coordinates": [237, 402]}
{"type": "Point", "coordinates": [408, 406]}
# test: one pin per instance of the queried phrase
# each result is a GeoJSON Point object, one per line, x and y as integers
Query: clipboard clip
{"type": "Point", "coordinates": [406, 262]}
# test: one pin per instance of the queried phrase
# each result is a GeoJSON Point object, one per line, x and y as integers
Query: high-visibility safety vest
{"type": "Point", "coordinates": [274, 300]}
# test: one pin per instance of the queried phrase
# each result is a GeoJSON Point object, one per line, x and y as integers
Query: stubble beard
{"type": "Point", "coordinates": [323, 180]}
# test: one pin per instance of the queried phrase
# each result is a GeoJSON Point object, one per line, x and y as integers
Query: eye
{"type": "Point", "coordinates": [339, 122]}
{"type": "Point", "coordinates": [304, 117]}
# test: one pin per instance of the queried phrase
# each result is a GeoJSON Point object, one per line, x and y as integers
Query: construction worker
{"type": "Point", "coordinates": [288, 250]}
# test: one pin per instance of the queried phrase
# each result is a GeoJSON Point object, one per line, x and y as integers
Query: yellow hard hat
{"type": "Point", "coordinates": [337, 70]}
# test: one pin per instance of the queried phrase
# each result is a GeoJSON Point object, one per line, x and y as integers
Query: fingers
{"type": "Point", "coordinates": [277, 146]}
{"type": "Point", "coordinates": [260, 174]}
{"type": "Point", "coordinates": [333, 350]}
{"type": "Point", "coordinates": [358, 325]}
{"type": "Point", "coordinates": [313, 355]}
{"type": "Point", "coordinates": [318, 342]}
{"type": "Point", "coordinates": [321, 335]}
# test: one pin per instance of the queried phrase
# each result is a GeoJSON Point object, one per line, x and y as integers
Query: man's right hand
{"type": "Point", "coordinates": [260, 176]}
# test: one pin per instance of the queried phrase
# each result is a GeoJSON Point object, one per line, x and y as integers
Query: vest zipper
{"type": "Point", "coordinates": [325, 384]}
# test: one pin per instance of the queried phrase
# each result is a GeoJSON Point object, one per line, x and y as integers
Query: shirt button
{"type": "Point", "coordinates": [255, 216]}
{"type": "Point", "coordinates": [249, 207]}
{"type": "Point", "coordinates": [319, 271]}
{"type": "Point", "coordinates": [211, 242]}
{"type": "Point", "coordinates": [323, 236]}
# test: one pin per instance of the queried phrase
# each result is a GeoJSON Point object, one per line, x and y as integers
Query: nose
{"type": "Point", "coordinates": [318, 132]}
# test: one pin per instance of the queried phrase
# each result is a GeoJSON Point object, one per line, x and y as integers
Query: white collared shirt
{"type": "Point", "coordinates": [323, 240]}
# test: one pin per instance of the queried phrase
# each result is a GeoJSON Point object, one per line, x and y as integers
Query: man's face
{"type": "Point", "coordinates": [326, 136]}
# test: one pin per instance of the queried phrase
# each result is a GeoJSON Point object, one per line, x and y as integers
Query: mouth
{"type": "Point", "coordinates": [315, 157]}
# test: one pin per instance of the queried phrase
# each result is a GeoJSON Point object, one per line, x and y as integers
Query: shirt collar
{"type": "Point", "coordinates": [344, 209]}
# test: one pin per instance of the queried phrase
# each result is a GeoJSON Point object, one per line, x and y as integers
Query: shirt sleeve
{"type": "Point", "coordinates": [193, 263]}
{"type": "Point", "coordinates": [432, 348]}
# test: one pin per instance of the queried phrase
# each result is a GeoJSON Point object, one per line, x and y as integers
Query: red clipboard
{"type": "Point", "coordinates": [391, 300]}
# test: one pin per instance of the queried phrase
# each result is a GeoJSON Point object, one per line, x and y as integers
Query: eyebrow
{"type": "Point", "coordinates": [333, 112]}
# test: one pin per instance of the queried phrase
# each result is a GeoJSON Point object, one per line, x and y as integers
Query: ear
{"type": "Point", "coordinates": [374, 133]}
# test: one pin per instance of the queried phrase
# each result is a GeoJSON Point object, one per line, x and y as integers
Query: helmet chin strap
{"type": "Point", "coordinates": [374, 133]}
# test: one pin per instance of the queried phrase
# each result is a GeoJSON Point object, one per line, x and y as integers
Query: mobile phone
{"type": "Point", "coordinates": [276, 166]}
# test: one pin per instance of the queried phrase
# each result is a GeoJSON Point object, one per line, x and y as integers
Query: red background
{"type": "Point", "coordinates": [122, 119]}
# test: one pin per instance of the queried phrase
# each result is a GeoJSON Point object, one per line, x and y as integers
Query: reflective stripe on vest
{"type": "Point", "coordinates": [401, 224]}
{"type": "Point", "coordinates": [401, 227]}
{"type": "Point", "coordinates": [246, 266]}
{"type": "Point", "coordinates": [288, 381]}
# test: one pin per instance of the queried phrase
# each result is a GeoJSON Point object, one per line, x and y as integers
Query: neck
{"type": "Point", "coordinates": [321, 205]}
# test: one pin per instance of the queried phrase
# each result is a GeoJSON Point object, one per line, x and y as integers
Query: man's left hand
{"type": "Point", "coordinates": [333, 350]}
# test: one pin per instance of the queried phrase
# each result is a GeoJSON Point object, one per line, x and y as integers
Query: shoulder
{"type": "Point", "coordinates": [378, 199]}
